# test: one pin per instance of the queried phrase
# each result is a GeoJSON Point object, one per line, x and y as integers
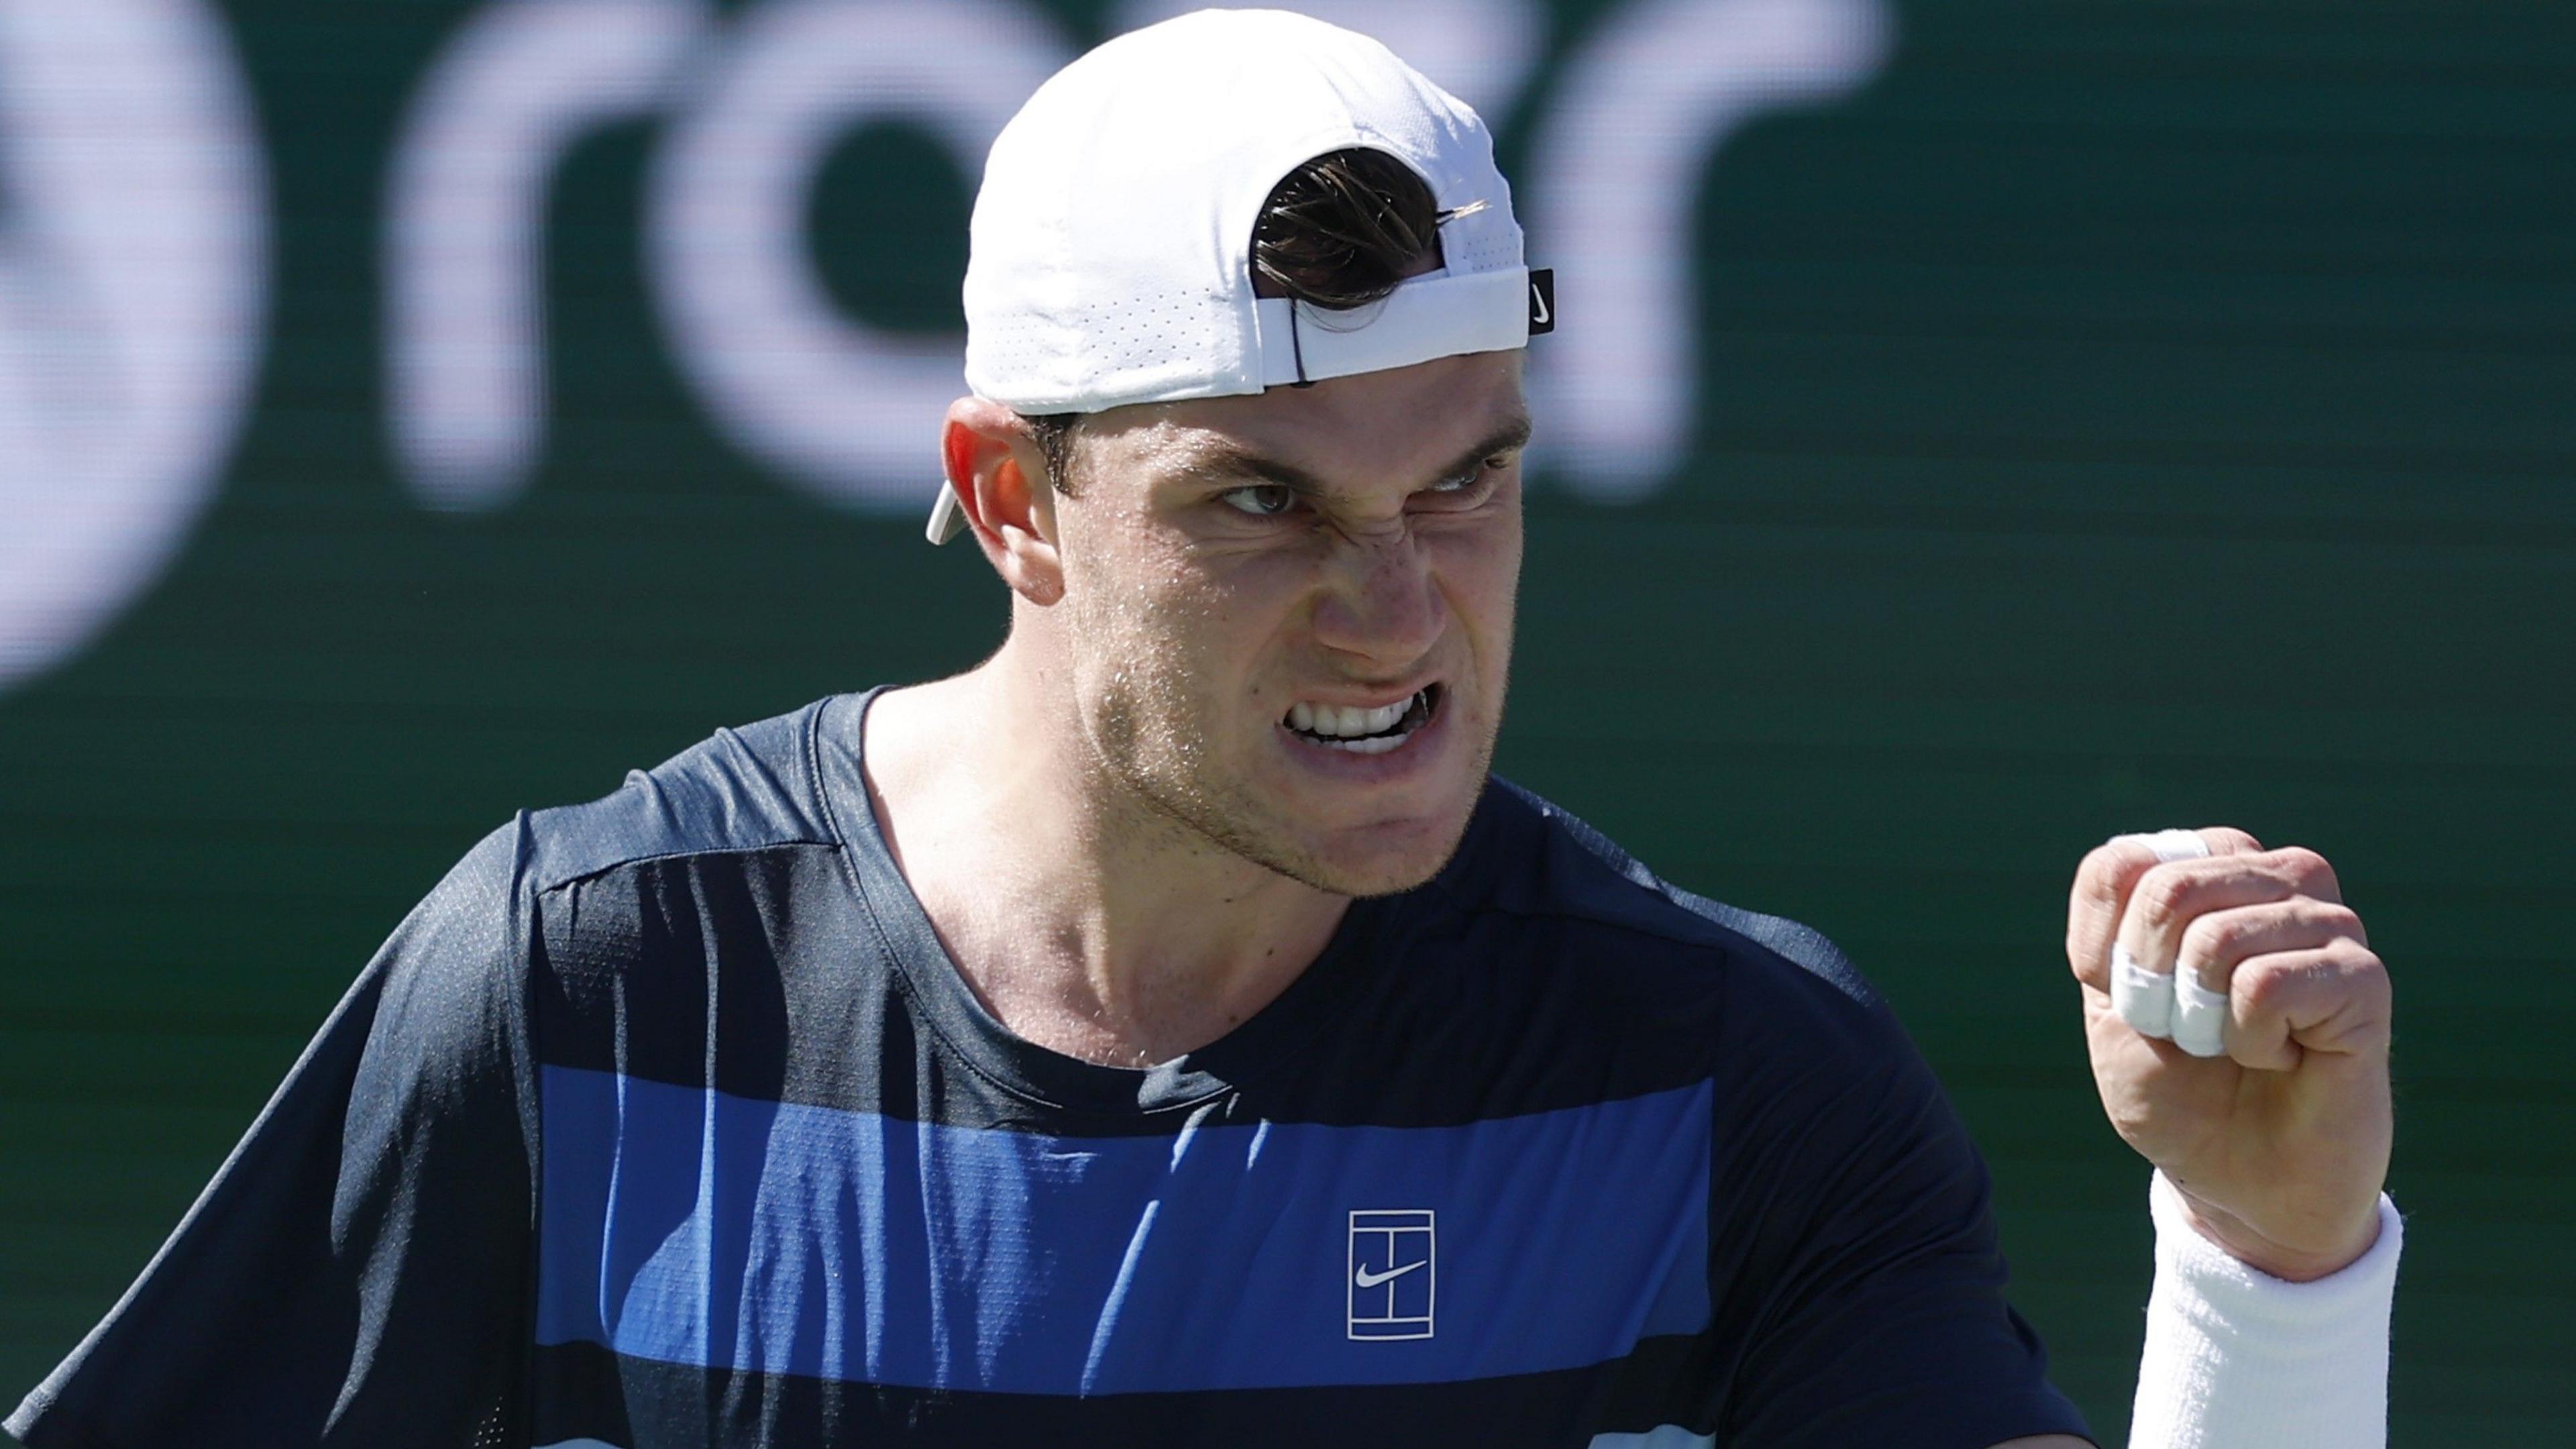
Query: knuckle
{"type": "Point", "coordinates": [2311, 872]}
{"type": "Point", "coordinates": [2374, 972]}
{"type": "Point", "coordinates": [2161, 898]}
{"type": "Point", "coordinates": [2109, 869]}
{"type": "Point", "coordinates": [2299, 860]}
{"type": "Point", "coordinates": [2361, 979]}
{"type": "Point", "coordinates": [2342, 921]}
{"type": "Point", "coordinates": [2355, 960]}
{"type": "Point", "coordinates": [2265, 988]}
{"type": "Point", "coordinates": [2228, 840]}
{"type": "Point", "coordinates": [2212, 940]}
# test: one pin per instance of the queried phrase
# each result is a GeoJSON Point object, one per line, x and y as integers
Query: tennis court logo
{"type": "Point", "coordinates": [1392, 1267]}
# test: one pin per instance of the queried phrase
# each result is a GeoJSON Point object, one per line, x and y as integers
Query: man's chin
{"type": "Point", "coordinates": [1384, 859]}
{"type": "Point", "coordinates": [1368, 851]}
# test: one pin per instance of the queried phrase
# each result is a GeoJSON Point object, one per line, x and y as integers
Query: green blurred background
{"type": "Point", "coordinates": [2112, 415]}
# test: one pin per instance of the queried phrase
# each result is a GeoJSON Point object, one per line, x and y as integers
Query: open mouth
{"type": "Point", "coordinates": [1363, 731]}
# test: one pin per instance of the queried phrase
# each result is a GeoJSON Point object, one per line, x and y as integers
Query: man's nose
{"type": "Point", "coordinates": [1381, 600]}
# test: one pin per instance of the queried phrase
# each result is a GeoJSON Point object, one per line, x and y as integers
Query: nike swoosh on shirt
{"type": "Point", "coordinates": [1367, 1279]}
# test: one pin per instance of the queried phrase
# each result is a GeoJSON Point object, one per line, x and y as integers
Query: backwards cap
{"type": "Point", "coordinates": [1111, 245]}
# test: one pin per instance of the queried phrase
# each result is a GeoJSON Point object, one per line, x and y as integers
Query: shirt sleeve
{"type": "Point", "coordinates": [1868, 1305]}
{"type": "Point", "coordinates": [356, 1273]}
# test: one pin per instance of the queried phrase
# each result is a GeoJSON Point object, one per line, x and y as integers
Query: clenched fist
{"type": "Point", "coordinates": [2280, 1143]}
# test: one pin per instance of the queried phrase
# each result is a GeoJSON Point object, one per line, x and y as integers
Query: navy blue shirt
{"type": "Point", "coordinates": [665, 1120]}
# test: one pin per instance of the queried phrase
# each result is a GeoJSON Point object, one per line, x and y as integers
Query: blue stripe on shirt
{"type": "Point", "coordinates": [696, 1227]}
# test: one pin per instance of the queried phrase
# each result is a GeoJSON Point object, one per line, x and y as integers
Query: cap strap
{"type": "Point", "coordinates": [1427, 317]}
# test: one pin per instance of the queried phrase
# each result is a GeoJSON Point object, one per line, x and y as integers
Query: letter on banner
{"type": "Point", "coordinates": [465, 205]}
{"type": "Point", "coordinates": [848, 412]}
{"type": "Point", "coordinates": [1614, 186]}
{"type": "Point", "coordinates": [133, 281]}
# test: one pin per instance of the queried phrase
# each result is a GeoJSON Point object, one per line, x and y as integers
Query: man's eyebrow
{"type": "Point", "coordinates": [1513, 434]}
{"type": "Point", "coordinates": [1233, 460]}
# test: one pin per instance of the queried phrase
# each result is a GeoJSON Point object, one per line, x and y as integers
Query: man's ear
{"type": "Point", "coordinates": [1000, 476]}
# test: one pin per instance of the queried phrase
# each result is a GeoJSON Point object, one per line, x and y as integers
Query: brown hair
{"type": "Point", "coordinates": [1338, 232]}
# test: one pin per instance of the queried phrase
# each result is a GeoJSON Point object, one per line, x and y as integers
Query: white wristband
{"type": "Point", "coordinates": [2239, 1359]}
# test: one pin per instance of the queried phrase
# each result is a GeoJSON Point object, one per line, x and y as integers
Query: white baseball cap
{"type": "Point", "coordinates": [1110, 255]}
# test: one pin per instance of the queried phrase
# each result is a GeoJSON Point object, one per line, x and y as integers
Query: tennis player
{"type": "Point", "coordinates": [1168, 1032]}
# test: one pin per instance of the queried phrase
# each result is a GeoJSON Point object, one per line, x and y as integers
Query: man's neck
{"type": "Point", "coordinates": [1085, 921]}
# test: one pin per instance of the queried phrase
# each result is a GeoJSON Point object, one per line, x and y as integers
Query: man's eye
{"type": "Point", "coordinates": [1262, 500]}
{"type": "Point", "coordinates": [1468, 481]}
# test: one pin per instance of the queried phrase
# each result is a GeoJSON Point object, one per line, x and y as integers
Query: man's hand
{"type": "Point", "coordinates": [2279, 1146]}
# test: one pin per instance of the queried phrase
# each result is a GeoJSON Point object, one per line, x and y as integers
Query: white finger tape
{"type": "Point", "coordinates": [2173, 845]}
{"type": "Point", "coordinates": [2199, 1017]}
{"type": "Point", "coordinates": [2145, 999]}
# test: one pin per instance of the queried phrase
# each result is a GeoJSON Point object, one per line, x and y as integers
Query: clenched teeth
{"type": "Point", "coordinates": [1346, 720]}
{"type": "Point", "coordinates": [1361, 731]}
